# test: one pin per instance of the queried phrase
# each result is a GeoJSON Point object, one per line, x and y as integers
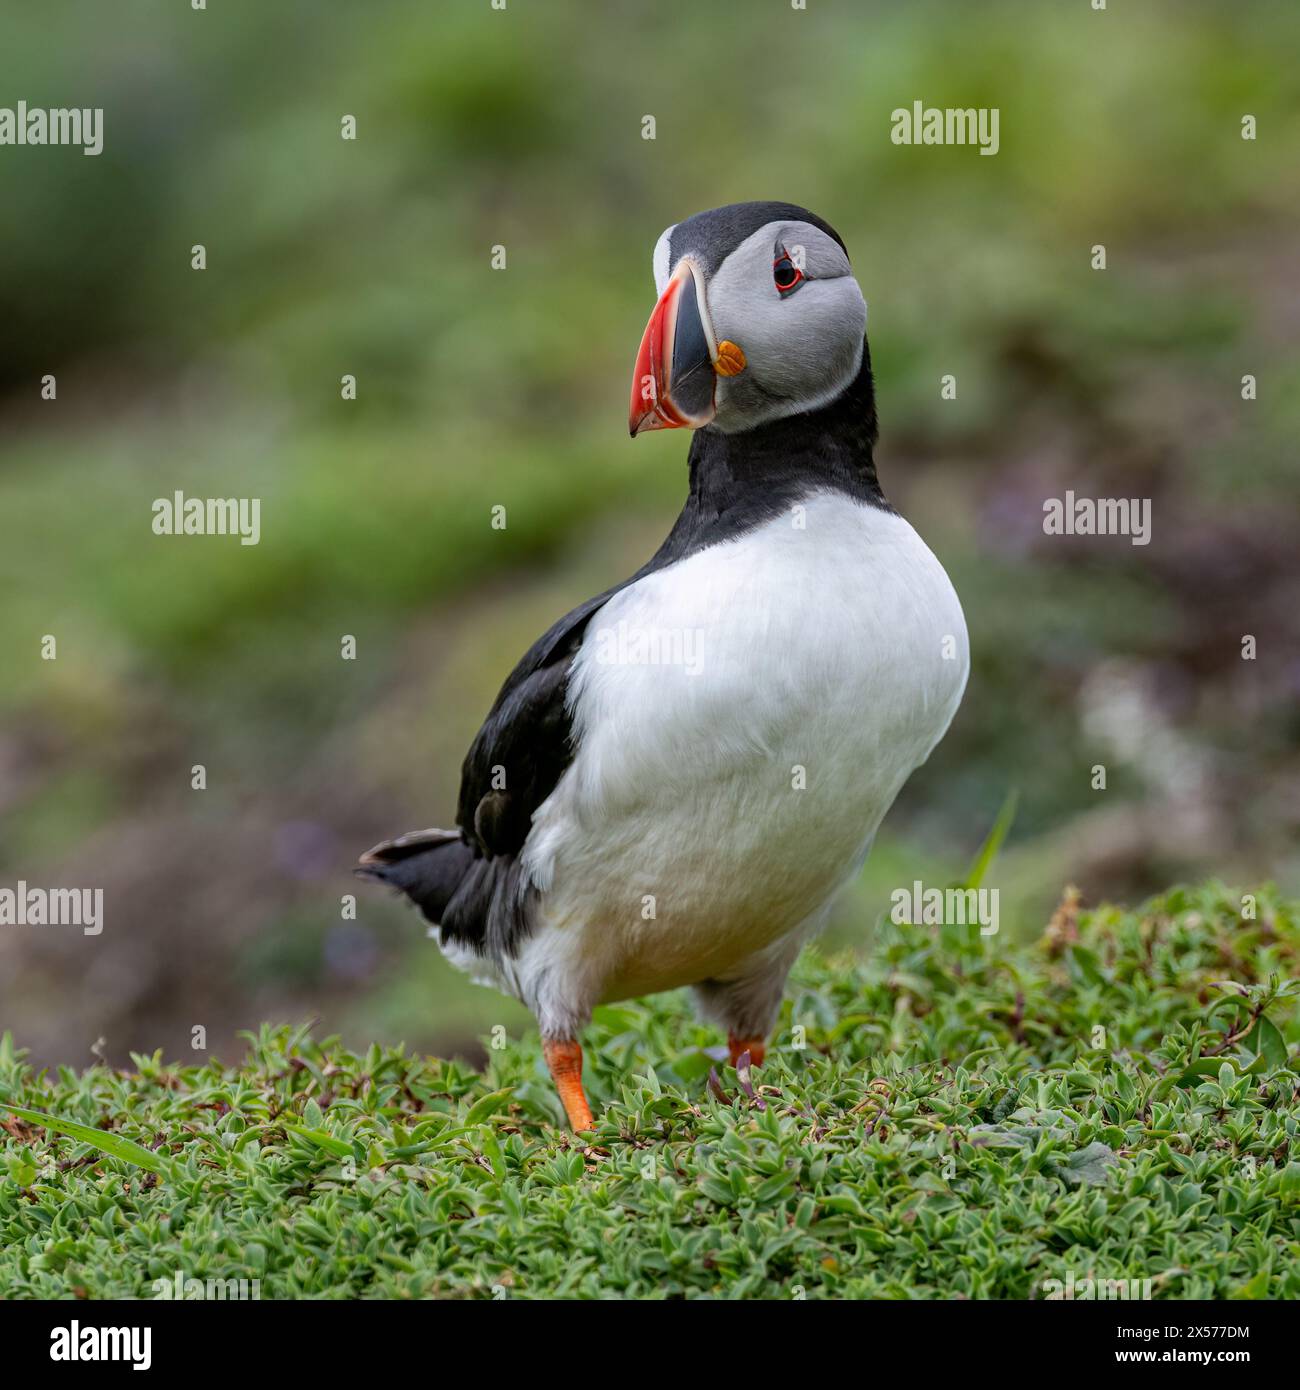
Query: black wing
{"type": "Point", "coordinates": [525, 743]}
{"type": "Point", "coordinates": [472, 884]}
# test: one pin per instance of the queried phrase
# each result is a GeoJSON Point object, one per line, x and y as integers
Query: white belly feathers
{"type": "Point", "coordinates": [743, 720]}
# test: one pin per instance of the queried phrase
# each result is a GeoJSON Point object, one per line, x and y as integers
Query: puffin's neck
{"type": "Point", "coordinates": [768, 468]}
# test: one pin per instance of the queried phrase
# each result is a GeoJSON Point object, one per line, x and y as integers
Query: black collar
{"type": "Point", "coordinates": [739, 481]}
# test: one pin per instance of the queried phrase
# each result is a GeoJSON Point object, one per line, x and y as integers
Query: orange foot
{"type": "Point", "coordinates": [756, 1047]}
{"type": "Point", "coordinates": [565, 1062]}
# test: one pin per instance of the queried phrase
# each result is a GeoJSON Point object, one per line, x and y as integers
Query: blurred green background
{"type": "Point", "coordinates": [479, 387]}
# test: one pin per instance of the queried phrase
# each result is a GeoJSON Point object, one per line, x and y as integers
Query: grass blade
{"type": "Point", "coordinates": [112, 1144]}
{"type": "Point", "coordinates": [988, 851]}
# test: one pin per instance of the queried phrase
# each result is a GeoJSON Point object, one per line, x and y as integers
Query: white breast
{"type": "Point", "coordinates": [743, 718]}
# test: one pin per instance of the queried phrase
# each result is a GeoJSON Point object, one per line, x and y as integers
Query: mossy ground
{"type": "Point", "coordinates": [944, 1118]}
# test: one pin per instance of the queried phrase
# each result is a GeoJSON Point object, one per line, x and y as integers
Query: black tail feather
{"type": "Point", "coordinates": [426, 865]}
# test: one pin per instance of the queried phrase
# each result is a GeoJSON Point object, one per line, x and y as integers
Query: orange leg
{"type": "Point", "coordinates": [565, 1061]}
{"type": "Point", "coordinates": [756, 1047]}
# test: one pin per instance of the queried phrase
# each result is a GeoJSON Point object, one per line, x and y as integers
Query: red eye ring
{"type": "Point", "coordinates": [780, 265]}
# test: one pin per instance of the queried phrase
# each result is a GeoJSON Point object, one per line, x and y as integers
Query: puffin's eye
{"type": "Point", "coordinates": [785, 274]}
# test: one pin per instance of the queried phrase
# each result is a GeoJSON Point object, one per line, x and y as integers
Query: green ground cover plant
{"type": "Point", "coordinates": [944, 1117]}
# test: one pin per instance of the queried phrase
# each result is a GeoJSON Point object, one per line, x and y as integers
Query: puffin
{"type": "Point", "coordinates": [680, 774]}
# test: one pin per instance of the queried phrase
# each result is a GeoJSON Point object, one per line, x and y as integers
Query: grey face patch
{"type": "Point", "coordinates": [802, 349]}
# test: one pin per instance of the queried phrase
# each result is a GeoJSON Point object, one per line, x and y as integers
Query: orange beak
{"type": "Point", "coordinates": [673, 384]}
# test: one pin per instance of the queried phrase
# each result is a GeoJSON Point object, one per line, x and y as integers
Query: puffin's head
{"type": "Point", "coordinates": [759, 316]}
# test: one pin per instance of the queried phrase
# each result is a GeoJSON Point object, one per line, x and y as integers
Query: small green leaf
{"type": "Point", "coordinates": [492, 1152]}
{"type": "Point", "coordinates": [487, 1106]}
{"type": "Point", "coordinates": [693, 1065]}
{"type": "Point", "coordinates": [1089, 1165]}
{"type": "Point", "coordinates": [718, 1192]}
{"type": "Point", "coordinates": [1270, 1044]}
{"type": "Point", "coordinates": [328, 1142]}
{"type": "Point", "coordinates": [778, 1185]}
{"type": "Point", "coordinates": [22, 1172]}
{"type": "Point", "coordinates": [1086, 966]}
{"type": "Point", "coordinates": [1256, 1287]}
